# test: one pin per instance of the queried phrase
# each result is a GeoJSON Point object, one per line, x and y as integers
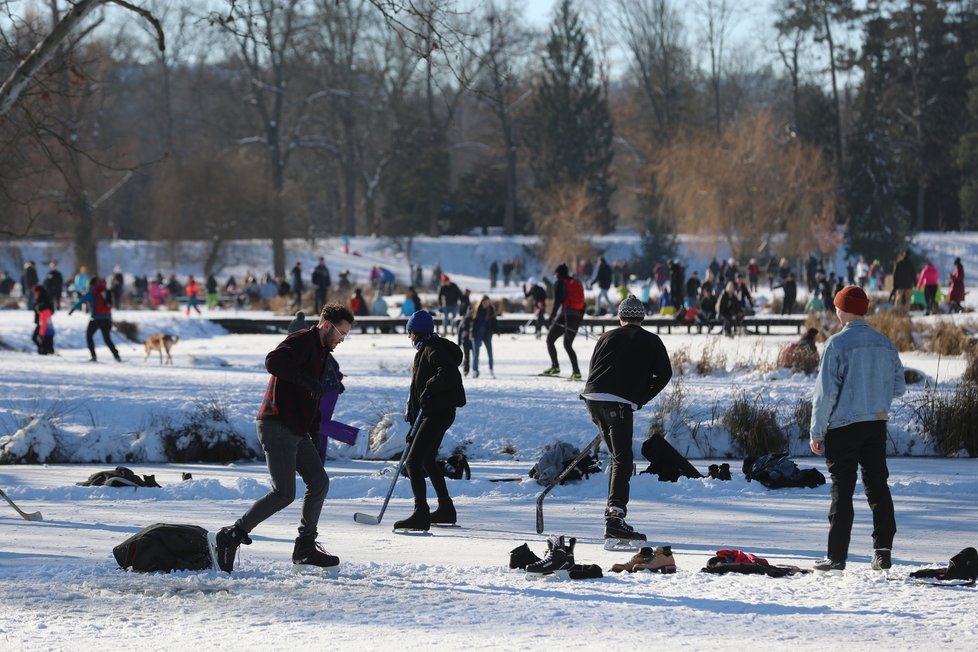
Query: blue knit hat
{"type": "Point", "coordinates": [421, 322]}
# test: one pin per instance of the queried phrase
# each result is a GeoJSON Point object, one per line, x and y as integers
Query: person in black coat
{"type": "Point", "coordinates": [730, 309]}
{"type": "Point", "coordinates": [629, 367]}
{"type": "Point", "coordinates": [790, 288]}
{"type": "Point", "coordinates": [54, 285]}
{"type": "Point", "coordinates": [436, 392]}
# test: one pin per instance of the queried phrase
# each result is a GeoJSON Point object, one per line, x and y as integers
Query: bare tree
{"type": "Point", "coordinates": [49, 47]}
{"type": "Point", "coordinates": [653, 33]}
{"type": "Point", "coordinates": [504, 46]}
{"type": "Point", "coordinates": [751, 185]}
{"type": "Point", "coordinates": [717, 19]}
{"type": "Point", "coordinates": [266, 33]}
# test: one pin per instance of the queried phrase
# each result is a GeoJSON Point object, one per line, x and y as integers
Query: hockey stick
{"type": "Point", "coordinates": [33, 516]}
{"type": "Point", "coordinates": [556, 481]}
{"type": "Point", "coordinates": [367, 519]}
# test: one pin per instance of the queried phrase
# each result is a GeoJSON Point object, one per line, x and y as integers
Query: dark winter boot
{"type": "Point", "coordinates": [444, 515]}
{"type": "Point", "coordinates": [828, 566]}
{"type": "Point", "coordinates": [881, 559]}
{"type": "Point", "coordinates": [619, 535]}
{"type": "Point", "coordinates": [309, 556]}
{"type": "Point", "coordinates": [225, 546]}
{"type": "Point", "coordinates": [522, 557]}
{"type": "Point", "coordinates": [559, 559]}
{"type": "Point", "coordinates": [419, 520]}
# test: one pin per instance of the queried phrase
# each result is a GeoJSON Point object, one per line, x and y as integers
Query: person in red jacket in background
{"type": "Point", "coordinates": [43, 327]}
{"type": "Point", "coordinates": [101, 316]}
{"type": "Point", "coordinates": [929, 280]}
{"type": "Point", "coordinates": [193, 295]}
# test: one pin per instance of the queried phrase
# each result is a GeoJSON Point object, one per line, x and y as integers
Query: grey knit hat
{"type": "Point", "coordinates": [631, 309]}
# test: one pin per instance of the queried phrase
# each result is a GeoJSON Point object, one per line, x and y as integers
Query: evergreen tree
{"type": "Point", "coordinates": [966, 152]}
{"type": "Point", "coordinates": [570, 129]}
{"type": "Point", "coordinates": [879, 226]}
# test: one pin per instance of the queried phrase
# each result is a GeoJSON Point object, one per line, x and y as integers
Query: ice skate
{"type": "Point", "coordinates": [444, 516]}
{"type": "Point", "coordinates": [619, 535]}
{"type": "Point", "coordinates": [309, 557]}
{"type": "Point", "coordinates": [575, 376]}
{"type": "Point", "coordinates": [418, 522]}
{"type": "Point", "coordinates": [881, 560]}
{"type": "Point", "coordinates": [552, 371]}
{"type": "Point", "coordinates": [224, 546]}
{"type": "Point", "coordinates": [558, 561]}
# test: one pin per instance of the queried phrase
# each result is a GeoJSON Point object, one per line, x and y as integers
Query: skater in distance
{"type": "Point", "coordinates": [565, 318]}
{"type": "Point", "coordinates": [629, 367]}
{"type": "Point", "coordinates": [288, 429]}
{"type": "Point", "coordinates": [858, 377]}
{"type": "Point", "coordinates": [436, 392]}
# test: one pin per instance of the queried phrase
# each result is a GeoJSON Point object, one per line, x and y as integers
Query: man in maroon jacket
{"type": "Point", "coordinates": [288, 426]}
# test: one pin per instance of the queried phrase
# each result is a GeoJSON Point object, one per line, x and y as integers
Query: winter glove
{"type": "Point", "coordinates": [311, 385]}
{"type": "Point", "coordinates": [71, 312]}
{"type": "Point", "coordinates": [342, 387]}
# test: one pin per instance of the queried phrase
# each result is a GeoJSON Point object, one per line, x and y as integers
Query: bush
{"type": "Point", "coordinates": [712, 358]}
{"type": "Point", "coordinates": [754, 428]}
{"type": "Point", "coordinates": [799, 359]}
{"type": "Point", "coordinates": [680, 359]}
{"type": "Point", "coordinates": [896, 325]}
{"type": "Point", "coordinates": [950, 419]}
{"type": "Point", "coordinates": [206, 437]}
{"type": "Point", "coordinates": [971, 371]}
{"type": "Point", "coordinates": [948, 338]}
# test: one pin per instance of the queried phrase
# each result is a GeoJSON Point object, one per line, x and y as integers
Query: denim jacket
{"type": "Point", "coordinates": [859, 376]}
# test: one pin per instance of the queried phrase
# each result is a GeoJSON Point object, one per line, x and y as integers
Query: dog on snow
{"type": "Point", "coordinates": [160, 342]}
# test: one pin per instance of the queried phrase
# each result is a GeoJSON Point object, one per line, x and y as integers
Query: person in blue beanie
{"type": "Point", "coordinates": [436, 392]}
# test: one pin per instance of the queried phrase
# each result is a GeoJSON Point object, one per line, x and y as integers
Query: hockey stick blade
{"type": "Point", "coordinates": [32, 516]}
{"type": "Point", "coordinates": [366, 519]}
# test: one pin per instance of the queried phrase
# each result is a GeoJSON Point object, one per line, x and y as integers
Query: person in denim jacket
{"type": "Point", "coordinates": [859, 376]}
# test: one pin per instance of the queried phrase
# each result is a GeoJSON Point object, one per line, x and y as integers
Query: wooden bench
{"type": "Point", "coordinates": [517, 323]}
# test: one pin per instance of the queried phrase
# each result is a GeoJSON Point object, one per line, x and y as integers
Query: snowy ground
{"type": "Point", "coordinates": [61, 589]}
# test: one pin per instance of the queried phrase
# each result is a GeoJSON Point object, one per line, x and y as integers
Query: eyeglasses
{"type": "Point", "coordinates": [343, 334]}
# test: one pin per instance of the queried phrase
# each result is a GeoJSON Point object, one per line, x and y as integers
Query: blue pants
{"type": "Point", "coordinates": [475, 351]}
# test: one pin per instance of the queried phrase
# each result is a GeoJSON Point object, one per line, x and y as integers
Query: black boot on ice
{"type": "Point", "coordinates": [444, 515]}
{"type": "Point", "coordinates": [419, 521]}
{"type": "Point", "coordinates": [224, 545]}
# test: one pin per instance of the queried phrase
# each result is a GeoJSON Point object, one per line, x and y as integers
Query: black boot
{"type": "Point", "coordinates": [445, 514]}
{"type": "Point", "coordinates": [419, 520]}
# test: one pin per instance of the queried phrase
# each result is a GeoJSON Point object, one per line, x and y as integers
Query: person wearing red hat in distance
{"type": "Point", "coordinates": [858, 377]}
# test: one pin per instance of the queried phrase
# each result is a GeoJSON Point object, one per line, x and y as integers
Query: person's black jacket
{"type": "Point", "coordinates": [603, 276]}
{"type": "Point", "coordinates": [904, 275]}
{"type": "Point", "coordinates": [537, 293]}
{"type": "Point", "coordinates": [790, 289]}
{"type": "Point", "coordinates": [449, 294]}
{"type": "Point", "coordinates": [629, 362]}
{"type": "Point", "coordinates": [436, 385]}
{"type": "Point", "coordinates": [54, 283]}
{"type": "Point", "coordinates": [692, 287]}
{"type": "Point", "coordinates": [729, 306]}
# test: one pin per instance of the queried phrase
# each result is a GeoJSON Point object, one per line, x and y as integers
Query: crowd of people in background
{"type": "Point", "coordinates": [721, 296]}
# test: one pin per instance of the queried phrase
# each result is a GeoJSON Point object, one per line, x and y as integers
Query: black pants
{"type": "Point", "coordinates": [565, 326]}
{"type": "Point", "coordinates": [788, 306]}
{"type": "Point", "coordinates": [105, 326]}
{"type": "Point", "coordinates": [858, 445]}
{"type": "Point", "coordinates": [322, 295]}
{"type": "Point", "coordinates": [614, 422]}
{"type": "Point", "coordinates": [285, 454]}
{"type": "Point", "coordinates": [930, 297]}
{"type": "Point", "coordinates": [423, 456]}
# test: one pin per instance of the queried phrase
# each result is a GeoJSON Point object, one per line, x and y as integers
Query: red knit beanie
{"type": "Point", "coordinates": [852, 299]}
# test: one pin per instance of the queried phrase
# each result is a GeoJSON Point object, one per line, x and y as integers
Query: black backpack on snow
{"type": "Point", "coordinates": [777, 472]}
{"type": "Point", "coordinates": [164, 547]}
{"type": "Point", "coordinates": [665, 461]}
{"type": "Point", "coordinates": [962, 566]}
{"type": "Point", "coordinates": [119, 477]}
